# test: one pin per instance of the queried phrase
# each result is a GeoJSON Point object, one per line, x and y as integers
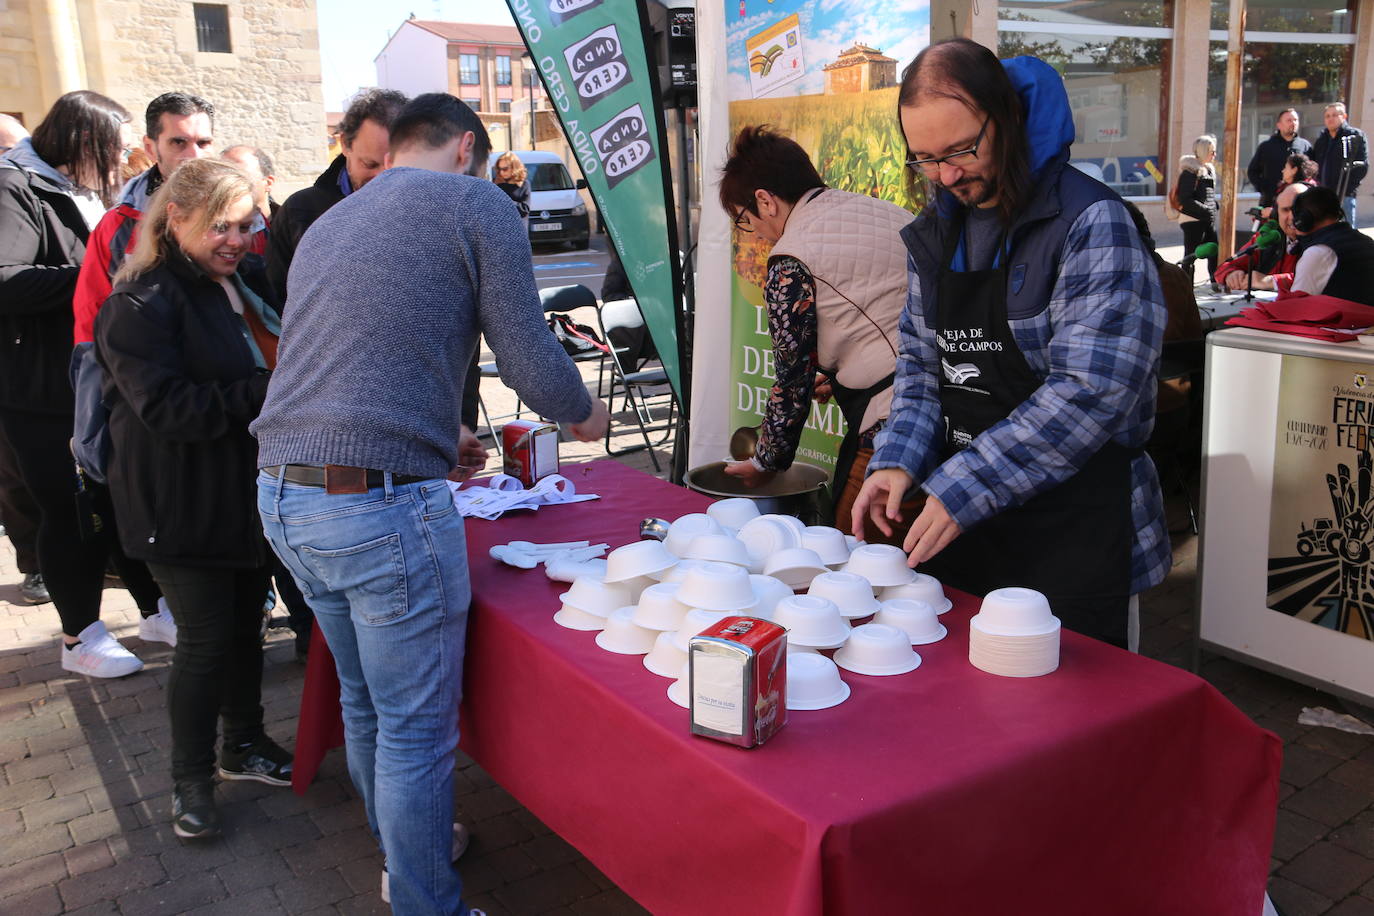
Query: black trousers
{"type": "Point", "coordinates": [18, 511]}
{"type": "Point", "coordinates": [1197, 233]}
{"type": "Point", "coordinates": [217, 664]}
{"type": "Point", "coordinates": [298, 612]}
{"type": "Point", "coordinates": [71, 558]}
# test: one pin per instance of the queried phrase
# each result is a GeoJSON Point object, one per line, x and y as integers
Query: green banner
{"type": "Point", "coordinates": [593, 59]}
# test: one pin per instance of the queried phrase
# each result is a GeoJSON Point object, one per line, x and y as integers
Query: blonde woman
{"type": "Point", "coordinates": [187, 346]}
{"type": "Point", "coordinates": [1197, 197]}
{"type": "Point", "coordinates": [510, 176]}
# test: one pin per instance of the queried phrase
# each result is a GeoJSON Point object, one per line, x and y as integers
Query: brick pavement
{"type": "Point", "coordinates": [85, 796]}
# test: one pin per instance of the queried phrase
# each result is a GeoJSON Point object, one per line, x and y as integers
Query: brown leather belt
{"type": "Point", "coordinates": [337, 478]}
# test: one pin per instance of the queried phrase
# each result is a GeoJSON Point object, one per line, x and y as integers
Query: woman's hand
{"type": "Point", "coordinates": [880, 499]}
{"type": "Point", "coordinates": [749, 475]}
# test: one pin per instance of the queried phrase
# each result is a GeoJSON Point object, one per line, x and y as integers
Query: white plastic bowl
{"type": "Point", "coordinates": [665, 659]}
{"type": "Point", "coordinates": [719, 548]}
{"type": "Point", "coordinates": [694, 622]}
{"type": "Point", "coordinates": [851, 593]}
{"type": "Point", "coordinates": [813, 682]}
{"type": "Point", "coordinates": [791, 521]}
{"type": "Point", "coordinates": [769, 592]}
{"type": "Point", "coordinates": [641, 558]}
{"type": "Point", "coordinates": [574, 618]}
{"type": "Point", "coordinates": [680, 571]}
{"type": "Point", "coordinates": [827, 542]}
{"type": "Point", "coordinates": [795, 567]}
{"type": "Point", "coordinates": [659, 609]}
{"type": "Point", "coordinates": [1016, 611]}
{"type": "Point", "coordinates": [881, 564]}
{"type": "Point", "coordinates": [812, 621]}
{"type": "Point", "coordinates": [921, 588]}
{"type": "Point", "coordinates": [596, 596]}
{"type": "Point", "coordinates": [917, 619]}
{"type": "Point", "coordinates": [622, 636]}
{"type": "Point", "coordinates": [681, 532]}
{"type": "Point", "coordinates": [717, 587]}
{"type": "Point", "coordinates": [877, 649]}
{"type": "Point", "coordinates": [677, 692]}
{"type": "Point", "coordinates": [734, 513]}
{"type": "Point", "coordinates": [765, 536]}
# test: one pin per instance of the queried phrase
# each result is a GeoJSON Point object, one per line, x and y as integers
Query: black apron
{"type": "Point", "coordinates": [1073, 542]}
{"type": "Point", "coordinates": [853, 404]}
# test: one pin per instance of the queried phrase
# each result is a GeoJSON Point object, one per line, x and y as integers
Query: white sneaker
{"type": "Point", "coordinates": [160, 627]}
{"type": "Point", "coordinates": [99, 654]}
{"type": "Point", "coordinates": [461, 838]}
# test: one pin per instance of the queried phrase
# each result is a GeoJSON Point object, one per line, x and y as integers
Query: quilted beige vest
{"type": "Point", "coordinates": [850, 244]}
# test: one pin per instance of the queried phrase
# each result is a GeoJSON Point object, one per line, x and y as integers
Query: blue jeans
{"type": "Point", "coordinates": [1348, 206]}
{"type": "Point", "coordinates": [386, 575]}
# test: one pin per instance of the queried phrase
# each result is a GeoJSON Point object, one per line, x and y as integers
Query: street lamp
{"type": "Point", "coordinates": [527, 60]}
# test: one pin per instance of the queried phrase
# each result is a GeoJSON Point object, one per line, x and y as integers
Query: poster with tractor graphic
{"type": "Point", "coordinates": [1321, 527]}
{"type": "Point", "coordinates": [775, 56]}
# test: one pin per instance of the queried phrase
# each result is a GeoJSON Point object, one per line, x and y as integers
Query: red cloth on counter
{"type": "Point", "coordinates": [1305, 315]}
{"type": "Point", "coordinates": [1115, 785]}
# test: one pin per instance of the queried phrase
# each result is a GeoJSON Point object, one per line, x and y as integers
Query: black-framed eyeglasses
{"type": "Point", "coordinates": [741, 223]}
{"type": "Point", "coordinates": [960, 158]}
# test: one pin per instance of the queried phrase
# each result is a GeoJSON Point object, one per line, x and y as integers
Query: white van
{"type": "Point", "coordinates": [557, 213]}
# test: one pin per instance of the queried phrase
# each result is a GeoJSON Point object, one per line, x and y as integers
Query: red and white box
{"type": "Point", "coordinates": [737, 681]}
{"type": "Point", "coordinates": [530, 448]}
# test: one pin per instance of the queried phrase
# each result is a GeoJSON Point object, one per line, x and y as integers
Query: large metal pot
{"type": "Point", "coordinates": [795, 491]}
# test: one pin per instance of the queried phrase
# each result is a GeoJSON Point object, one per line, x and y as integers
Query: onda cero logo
{"type": "Point", "coordinates": [598, 65]}
{"type": "Point", "coordinates": [623, 146]}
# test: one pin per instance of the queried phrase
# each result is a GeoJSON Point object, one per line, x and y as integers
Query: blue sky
{"type": "Point", "coordinates": [899, 28]}
{"type": "Point", "coordinates": [353, 33]}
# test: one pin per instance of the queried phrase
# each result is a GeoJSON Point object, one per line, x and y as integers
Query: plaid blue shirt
{"type": "Point", "coordinates": [1097, 348]}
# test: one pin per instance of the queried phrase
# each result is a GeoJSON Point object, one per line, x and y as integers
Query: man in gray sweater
{"type": "Point", "coordinates": [389, 291]}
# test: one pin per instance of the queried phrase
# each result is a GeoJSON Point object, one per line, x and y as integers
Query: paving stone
{"type": "Point", "coordinates": [550, 850]}
{"type": "Point", "coordinates": [55, 741]}
{"type": "Point", "coordinates": [54, 810]}
{"type": "Point", "coordinates": [1334, 741]}
{"type": "Point", "coordinates": [1355, 774]}
{"type": "Point", "coordinates": [291, 831]}
{"type": "Point", "coordinates": [172, 897]}
{"type": "Point", "coordinates": [260, 901]}
{"type": "Point", "coordinates": [1329, 869]}
{"type": "Point", "coordinates": [243, 875]}
{"type": "Point", "coordinates": [1304, 765]}
{"type": "Point", "coordinates": [341, 848]}
{"type": "Point", "coordinates": [1293, 833]}
{"type": "Point", "coordinates": [78, 780]}
{"type": "Point", "coordinates": [1327, 802]}
{"type": "Point", "coordinates": [34, 767]}
{"type": "Point", "coordinates": [20, 794]}
{"type": "Point", "coordinates": [101, 824]}
{"type": "Point", "coordinates": [1295, 900]}
{"type": "Point", "coordinates": [318, 888]}
{"type": "Point", "coordinates": [30, 873]}
{"type": "Point", "coordinates": [194, 858]}
{"type": "Point", "coordinates": [1357, 835]}
{"type": "Point", "coordinates": [558, 886]}
{"type": "Point", "coordinates": [368, 905]}
{"type": "Point", "coordinates": [499, 832]}
{"type": "Point", "coordinates": [108, 883]}
{"type": "Point", "coordinates": [608, 903]}
{"type": "Point", "coordinates": [595, 874]}
{"type": "Point", "coordinates": [41, 901]}
{"type": "Point", "coordinates": [34, 843]}
{"type": "Point", "coordinates": [1353, 906]}
{"type": "Point", "coordinates": [88, 858]}
{"type": "Point", "coordinates": [343, 816]}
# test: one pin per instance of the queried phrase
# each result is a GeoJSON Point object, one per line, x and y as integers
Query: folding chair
{"type": "Point", "coordinates": [635, 381]}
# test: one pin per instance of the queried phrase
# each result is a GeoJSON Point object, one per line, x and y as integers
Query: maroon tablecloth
{"type": "Point", "coordinates": [1115, 785]}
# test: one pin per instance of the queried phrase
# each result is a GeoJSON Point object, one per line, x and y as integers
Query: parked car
{"type": "Point", "coordinates": [557, 213]}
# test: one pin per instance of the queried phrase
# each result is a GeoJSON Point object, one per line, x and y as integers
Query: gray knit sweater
{"type": "Point", "coordinates": [387, 294]}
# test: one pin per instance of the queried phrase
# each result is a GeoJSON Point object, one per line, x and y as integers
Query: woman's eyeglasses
{"type": "Point", "coordinates": [742, 222]}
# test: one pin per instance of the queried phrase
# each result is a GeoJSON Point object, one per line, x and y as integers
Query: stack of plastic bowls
{"type": "Point", "coordinates": [589, 602]}
{"type": "Point", "coordinates": [718, 548]}
{"type": "Point", "coordinates": [677, 690]}
{"type": "Point", "coordinates": [681, 532]}
{"type": "Point", "coordinates": [733, 514]}
{"type": "Point", "coordinates": [881, 564]}
{"type": "Point", "coordinates": [877, 649]}
{"type": "Point", "coordinates": [829, 544]}
{"type": "Point", "coordinates": [623, 636]}
{"type": "Point", "coordinates": [813, 682]}
{"type": "Point", "coordinates": [692, 625]}
{"type": "Point", "coordinates": [917, 619]}
{"type": "Point", "coordinates": [795, 567]}
{"type": "Point", "coordinates": [812, 622]}
{"type": "Point", "coordinates": [680, 571]}
{"type": "Point", "coordinates": [665, 659]}
{"type": "Point", "coordinates": [921, 588]}
{"type": "Point", "coordinates": [851, 593]}
{"type": "Point", "coordinates": [765, 536]}
{"type": "Point", "coordinates": [1014, 634]}
{"type": "Point", "coordinates": [769, 592]}
{"type": "Point", "coordinates": [718, 587]}
{"type": "Point", "coordinates": [659, 609]}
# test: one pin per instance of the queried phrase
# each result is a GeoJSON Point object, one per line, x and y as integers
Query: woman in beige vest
{"type": "Point", "coordinates": [836, 285]}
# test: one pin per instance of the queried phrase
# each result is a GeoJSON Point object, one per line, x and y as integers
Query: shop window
{"type": "Point", "coordinates": [468, 72]}
{"type": "Point", "coordinates": [1113, 79]}
{"type": "Point", "coordinates": [1327, 17]}
{"type": "Point", "coordinates": [503, 71]}
{"type": "Point", "coordinates": [212, 27]}
{"type": "Point", "coordinates": [503, 105]}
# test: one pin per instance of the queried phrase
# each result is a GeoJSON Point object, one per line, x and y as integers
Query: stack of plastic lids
{"type": "Point", "coordinates": [1014, 634]}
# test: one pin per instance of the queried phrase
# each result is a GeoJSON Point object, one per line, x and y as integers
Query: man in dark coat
{"type": "Point", "coordinates": [1342, 154]}
{"type": "Point", "coordinates": [1266, 166]}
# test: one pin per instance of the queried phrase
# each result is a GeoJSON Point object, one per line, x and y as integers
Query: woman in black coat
{"type": "Point", "coordinates": [54, 188]}
{"type": "Point", "coordinates": [511, 176]}
{"type": "Point", "coordinates": [187, 347]}
{"type": "Point", "coordinates": [1197, 196]}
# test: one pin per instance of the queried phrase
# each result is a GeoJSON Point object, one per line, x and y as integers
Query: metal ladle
{"type": "Point", "coordinates": [743, 442]}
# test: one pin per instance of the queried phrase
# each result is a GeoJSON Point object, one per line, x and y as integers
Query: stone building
{"type": "Point", "coordinates": [860, 68]}
{"type": "Point", "coordinates": [258, 63]}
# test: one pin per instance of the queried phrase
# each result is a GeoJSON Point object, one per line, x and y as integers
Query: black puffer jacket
{"type": "Point", "coordinates": [520, 193]}
{"type": "Point", "coordinates": [42, 242]}
{"type": "Point", "coordinates": [294, 217]}
{"type": "Point", "coordinates": [1197, 186]}
{"type": "Point", "coordinates": [182, 386]}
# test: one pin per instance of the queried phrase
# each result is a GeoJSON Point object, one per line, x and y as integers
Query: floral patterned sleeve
{"type": "Point", "coordinates": [789, 294]}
